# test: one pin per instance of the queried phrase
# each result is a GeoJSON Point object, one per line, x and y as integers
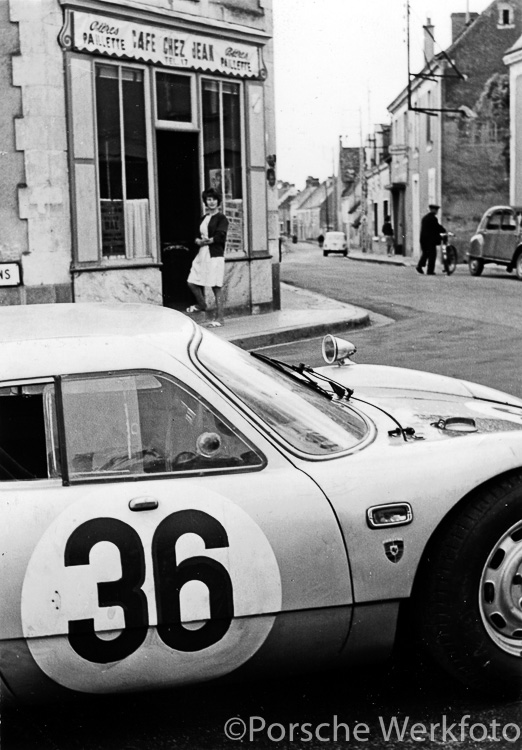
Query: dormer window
{"type": "Point", "coordinates": [505, 16]}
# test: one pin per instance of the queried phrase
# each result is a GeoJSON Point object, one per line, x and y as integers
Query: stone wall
{"type": "Point", "coordinates": [13, 235]}
{"type": "Point", "coordinates": [476, 174]}
{"type": "Point", "coordinates": [40, 140]}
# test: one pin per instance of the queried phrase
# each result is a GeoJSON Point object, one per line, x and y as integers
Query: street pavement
{"type": "Point", "coordinates": [303, 314]}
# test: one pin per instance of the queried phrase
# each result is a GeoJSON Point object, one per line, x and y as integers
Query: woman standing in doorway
{"type": "Point", "coordinates": [208, 267]}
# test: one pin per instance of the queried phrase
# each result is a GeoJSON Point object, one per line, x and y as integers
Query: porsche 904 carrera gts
{"type": "Point", "coordinates": [174, 509]}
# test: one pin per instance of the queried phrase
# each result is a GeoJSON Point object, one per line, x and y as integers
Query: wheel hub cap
{"type": "Point", "coordinates": [500, 598]}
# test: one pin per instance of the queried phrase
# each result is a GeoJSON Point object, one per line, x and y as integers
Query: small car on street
{"type": "Point", "coordinates": [335, 242]}
{"type": "Point", "coordinates": [498, 239]}
{"type": "Point", "coordinates": [175, 509]}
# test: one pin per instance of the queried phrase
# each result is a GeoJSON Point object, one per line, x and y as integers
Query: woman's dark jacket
{"type": "Point", "coordinates": [217, 230]}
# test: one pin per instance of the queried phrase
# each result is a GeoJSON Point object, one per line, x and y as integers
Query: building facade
{"type": "Point", "coordinates": [377, 177]}
{"type": "Point", "coordinates": [317, 213]}
{"type": "Point", "coordinates": [118, 114]}
{"type": "Point", "coordinates": [449, 144]}
{"type": "Point", "coordinates": [513, 60]}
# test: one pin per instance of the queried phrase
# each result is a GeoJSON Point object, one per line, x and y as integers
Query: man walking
{"type": "Point", "coordinates": [429, 239]}
{"type": "Point", "coordinates": [387, 231]}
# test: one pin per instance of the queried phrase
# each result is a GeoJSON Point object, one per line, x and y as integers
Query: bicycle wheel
{"type": "Point", "coordinates": [450, 262]}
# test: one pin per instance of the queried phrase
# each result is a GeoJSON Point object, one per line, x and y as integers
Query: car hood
{"type": "Point", "coordinates": [421, 399]}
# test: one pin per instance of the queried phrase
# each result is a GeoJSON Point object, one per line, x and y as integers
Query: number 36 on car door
{"type": "Point", "coordinates": [146, 599]}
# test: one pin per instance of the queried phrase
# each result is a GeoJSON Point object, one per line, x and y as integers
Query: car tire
{"type": "Point", "coordinates": [345, 253]}
{"type": "Point", "coordinates": [518, 266]}
{"type": "Point", "coordinates": [325, 254]}
{"type": "Point", "coordinates": [471, 591]}
{"type": "Point", "coordinates": [476, 266]}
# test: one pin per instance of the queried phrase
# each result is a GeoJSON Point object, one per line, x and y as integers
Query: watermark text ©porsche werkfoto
{"type": "Point", "coordinates": [393, 728]}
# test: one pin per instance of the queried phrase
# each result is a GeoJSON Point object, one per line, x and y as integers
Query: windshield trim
{"type": "Point", "coordinates": [269, 432]}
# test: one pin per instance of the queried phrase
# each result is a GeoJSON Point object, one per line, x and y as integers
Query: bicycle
{"type": "Point", "coordinates": [449, 253]}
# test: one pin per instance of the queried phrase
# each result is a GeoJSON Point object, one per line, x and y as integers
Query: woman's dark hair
{"type": "Point", "coordinates": [211, 193]}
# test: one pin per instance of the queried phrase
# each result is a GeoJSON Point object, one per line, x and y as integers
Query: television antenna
{"type": "Point", "coordinates": [428, 73]}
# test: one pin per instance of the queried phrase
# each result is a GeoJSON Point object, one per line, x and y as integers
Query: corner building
{"type": "Point", "coordinates": [117, 115]}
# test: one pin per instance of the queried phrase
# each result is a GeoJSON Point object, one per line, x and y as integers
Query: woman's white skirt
{"type": "Point", "coordinates": [205, 270]}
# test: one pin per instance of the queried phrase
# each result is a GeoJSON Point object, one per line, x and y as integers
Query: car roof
{"type": "Point", "coordinates": [502, 208]}
{"type": "Point", "coordinates": [81, 320]}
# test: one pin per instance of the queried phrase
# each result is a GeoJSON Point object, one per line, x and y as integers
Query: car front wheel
{"type": "Point", "coordinates": [471, 593]}
{"type": "Point", "coordinates": [476, 266]}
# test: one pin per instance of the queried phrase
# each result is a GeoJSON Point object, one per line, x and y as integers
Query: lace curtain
{"type": "Point", "coordinates": [137, 229]}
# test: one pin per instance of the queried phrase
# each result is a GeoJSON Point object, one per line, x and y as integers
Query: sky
{"type": "Point", "coordinates": [338, 65]}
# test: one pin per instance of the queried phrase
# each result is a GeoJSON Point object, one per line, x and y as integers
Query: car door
{"type": "Point", "coordinates": [507, 237]}
{"type": "Point", "coordinates": [491, 234]}
{"type": "Point", "coordinates": [163, 541]}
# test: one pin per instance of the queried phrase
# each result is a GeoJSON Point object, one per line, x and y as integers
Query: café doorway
{"type": "Point", "coordinates": [179, 202]}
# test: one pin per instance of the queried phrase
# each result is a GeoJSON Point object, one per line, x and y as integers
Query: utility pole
{"type": "Point", "coordinates": [334, 194]}
{"type": "Point", "coordinates": [364, 194]}
{"type": "Point", "coordinates": [326, 205]}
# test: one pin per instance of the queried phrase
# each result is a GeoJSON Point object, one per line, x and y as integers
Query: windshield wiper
{"type": "Point", "coordinates": [307, 374]}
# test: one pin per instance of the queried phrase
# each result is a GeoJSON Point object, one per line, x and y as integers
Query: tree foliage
{"type": "Point", "coordinates": [493, 102]}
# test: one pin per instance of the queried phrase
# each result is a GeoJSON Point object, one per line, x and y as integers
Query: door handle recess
{"type": "Point", "coordinates": [143, 503]}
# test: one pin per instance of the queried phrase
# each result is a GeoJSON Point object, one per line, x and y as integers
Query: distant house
{"type": "Point", "coordinates": [377, 190]}
{"type": "Point", "coordinates": [287, 192]}
{"type": "Point", "coordinates": [312, 183]}
{"type": "Point", "coordinates": [318, 213]}
{"type": "Point", "coordinates": [449, 140]}
{"type": "Point", "coordinates": [349, 191]}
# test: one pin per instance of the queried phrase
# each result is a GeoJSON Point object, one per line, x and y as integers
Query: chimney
{"type": "Point", "coordinates": [429, 47]}
{"type": "Point", "coordinates": [459, 22]}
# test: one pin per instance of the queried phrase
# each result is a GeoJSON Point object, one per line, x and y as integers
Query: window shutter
{"type": "Point", "coordinates": [258, 239]}
{"type": "Point", "coordinates": [82, 159]}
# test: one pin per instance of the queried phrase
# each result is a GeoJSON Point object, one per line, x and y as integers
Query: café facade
{"type": "Point", "coordinates": [118, 115]}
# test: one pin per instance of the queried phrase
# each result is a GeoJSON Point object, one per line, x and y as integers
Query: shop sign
{"type": "Point", "coordinates": [164, 46]}
{"type": "Point", "coordinates": [10, 274]}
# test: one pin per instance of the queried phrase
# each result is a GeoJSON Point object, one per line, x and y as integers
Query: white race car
{"type": "Point", "coordinates": [174, 509]}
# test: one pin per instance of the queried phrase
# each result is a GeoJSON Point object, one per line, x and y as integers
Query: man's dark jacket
{"type": "Point", "coordinates": [430, 230]}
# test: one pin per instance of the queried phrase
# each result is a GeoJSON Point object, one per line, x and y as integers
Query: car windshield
{"type": "Point", "coordinates": [305, 419]}
{"type": "Point", "coordinates": [335, 236]}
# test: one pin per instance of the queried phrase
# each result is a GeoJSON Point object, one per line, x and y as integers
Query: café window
{"type": "Point", "coordinates": [122, 162]}
{"type": "Point", "coordinates": [222, 153]}
{"type": "Point", "coordinates": [174, 99]}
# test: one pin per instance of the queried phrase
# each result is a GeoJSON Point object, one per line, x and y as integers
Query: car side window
{"type": "Point", "coordinates": [28, 432]}
{"type": "Point", "coordinates": [493, 221]}
{"type": "Point", "coordinates": [145, 423]}
{"type": "Point", "coordinates": [509, 222]}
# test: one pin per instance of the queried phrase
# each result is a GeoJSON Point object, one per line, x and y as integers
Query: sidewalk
{"type": "Point", "coordinates": [394, 260]}
{"type": "Point", "coordinates": [303, 314]}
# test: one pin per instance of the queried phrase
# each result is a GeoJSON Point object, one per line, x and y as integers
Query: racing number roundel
{"type": "Point", "coordinates": [133, 600]}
